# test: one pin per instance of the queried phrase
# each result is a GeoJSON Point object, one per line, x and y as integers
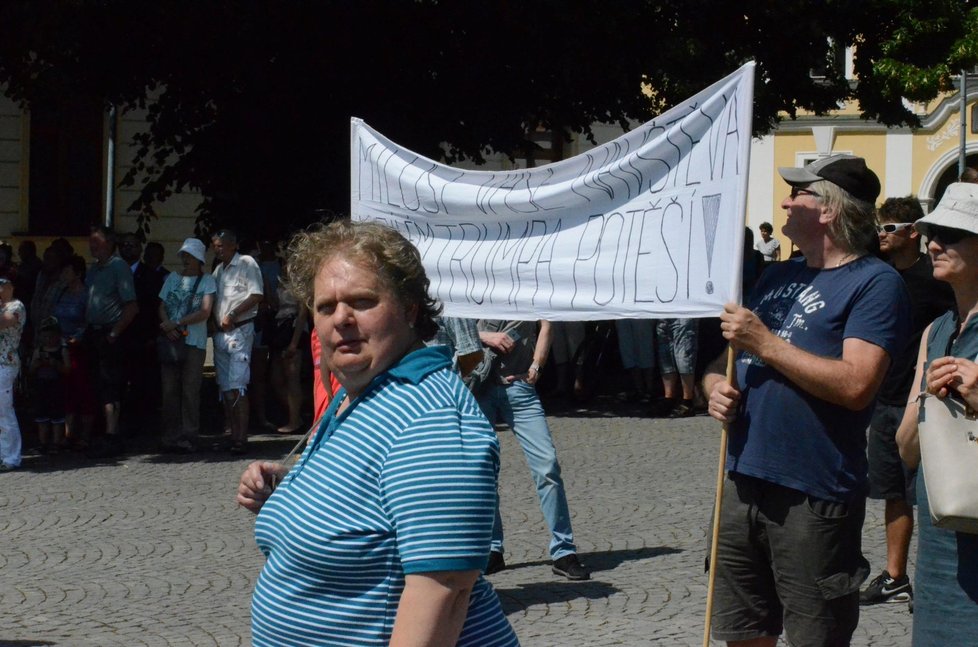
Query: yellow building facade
{"type": "Point", "coordinates": [919, 162]}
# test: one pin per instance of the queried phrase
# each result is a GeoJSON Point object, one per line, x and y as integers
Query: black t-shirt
{"type": "Point", "coordinates": [929, 299]}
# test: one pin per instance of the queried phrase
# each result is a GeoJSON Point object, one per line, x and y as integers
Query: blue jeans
{"type": "Point", "coordinates": [518, 406]}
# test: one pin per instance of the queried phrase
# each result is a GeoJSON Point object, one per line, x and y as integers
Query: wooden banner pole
{"type": "Point", "coordinates": [721, 472]}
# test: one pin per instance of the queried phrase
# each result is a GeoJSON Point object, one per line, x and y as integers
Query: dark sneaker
{"type": "Point", "coordinates": [571, 568]}
{"type": "Point", "coordinates": [683, 410]}
{"type": "Point", "coordinates": [496, 562]}
{"type": "Point", "coordinates": [107, 447]}
{"type": "Point", "coordinates": [662, 407]}
{"type": "Point", "coordinates": [886, 589]}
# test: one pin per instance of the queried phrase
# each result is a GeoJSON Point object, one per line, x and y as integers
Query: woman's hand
{"type": "Point", "coordinates": [167, 326]}
{"type": "Point", "coordinates": [942, 376]}
{"type": "Point", "coordinates": [255, 485]}
{"type": "Point", "coordinates": [946, 374]}
{"type": "Point", "coordinates": [968, 387]}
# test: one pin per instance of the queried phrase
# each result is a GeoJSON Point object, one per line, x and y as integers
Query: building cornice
{"type": "Point", "coordinates": [929, 123]}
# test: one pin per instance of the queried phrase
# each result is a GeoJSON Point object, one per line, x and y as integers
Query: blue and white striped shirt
{"type": "Point", "coordinates": [402, 482]}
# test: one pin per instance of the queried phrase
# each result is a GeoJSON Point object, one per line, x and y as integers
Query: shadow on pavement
{"type": "Point", "coordinates": [608, 560]}
{"type": "Point", "coordinates": [514, 600]}
{"type": "Point", "coordinates": [24, 643]}
{"type": "Point", "coordinates": [560, 590]}
{"type": "Point", "coordinates": [260, 447]}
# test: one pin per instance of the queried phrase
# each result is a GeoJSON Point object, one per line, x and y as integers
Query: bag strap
{"type": "Point", "coordinates": [193, 293]}
{"type": "Point", "coordinates": [299, 446]}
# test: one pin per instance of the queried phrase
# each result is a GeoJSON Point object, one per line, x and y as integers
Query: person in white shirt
{"type": "Point", "coordinates": [768, 245]}
{"type": "Point", "coordinates": [239, 291]}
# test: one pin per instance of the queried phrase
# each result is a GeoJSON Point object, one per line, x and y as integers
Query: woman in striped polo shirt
{"type": "Point", "coordinates": [378, 535]}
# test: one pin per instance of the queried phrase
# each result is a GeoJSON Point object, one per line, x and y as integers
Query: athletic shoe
{"type": "Point", "coordinates": [887, 589]}
{"type": "Point", "coordinates": [571, 568]}
{"type": "Point", "coordinates": [662, 407]}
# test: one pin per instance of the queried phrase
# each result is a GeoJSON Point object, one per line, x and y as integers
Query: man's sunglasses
{"type": "Point", "coordinates": [948, 235]}
{"type": "Point", "coordinates": [797, 191]}
{"type": "Point", "coordinates": [893, 227]}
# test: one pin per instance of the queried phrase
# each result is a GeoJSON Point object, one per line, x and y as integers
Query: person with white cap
{"type": "Point", "coordinates": [813, 346]}
{"type": "Point", "coordinates": [946, 575]}
{"type": "Point", "coordinates": [186, 300]}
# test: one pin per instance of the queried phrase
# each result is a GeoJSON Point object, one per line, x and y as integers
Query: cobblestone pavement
{"type": "Point", "coordinates": [151, 550]}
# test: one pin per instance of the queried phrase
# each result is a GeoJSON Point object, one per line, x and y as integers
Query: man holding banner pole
{"type": "Point", "coordinates": [813, 347]}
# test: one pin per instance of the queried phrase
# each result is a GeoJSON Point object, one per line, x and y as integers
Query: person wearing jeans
{"type": "Point", "coordinates": [508, 394]}
{"type": "Point", "coordinates": [12, 318]}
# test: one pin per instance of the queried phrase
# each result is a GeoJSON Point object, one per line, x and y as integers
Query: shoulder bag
{"type": "Point", "coordinates": [948, 432]}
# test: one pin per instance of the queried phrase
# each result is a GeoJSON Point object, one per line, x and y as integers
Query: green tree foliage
{"type": "Point", "coordinates": [249, 102]}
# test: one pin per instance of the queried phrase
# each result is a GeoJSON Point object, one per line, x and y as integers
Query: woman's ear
{"type": "Point", "coordinates": [412, 314]}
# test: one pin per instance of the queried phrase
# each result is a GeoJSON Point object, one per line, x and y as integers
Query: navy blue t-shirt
{"type": "Point", "coordinates": [783, 434]}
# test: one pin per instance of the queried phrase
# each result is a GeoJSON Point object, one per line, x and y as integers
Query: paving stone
{"type": "Point", "coordinates": [152, 550]}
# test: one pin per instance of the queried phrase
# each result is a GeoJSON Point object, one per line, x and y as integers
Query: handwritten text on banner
{"type": "Point", "coordinates": [648, 225]}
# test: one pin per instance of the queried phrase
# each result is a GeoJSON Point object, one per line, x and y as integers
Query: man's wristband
{"type": "Point", "coordinates": [535, 368]}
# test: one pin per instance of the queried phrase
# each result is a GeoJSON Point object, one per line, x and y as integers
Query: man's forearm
{"type": "Point", "coordinates": [250, 302]}
{"type": "Point", "coordinates": [851, 381]}
{"type": "Point", "coordinates": [715, 372]}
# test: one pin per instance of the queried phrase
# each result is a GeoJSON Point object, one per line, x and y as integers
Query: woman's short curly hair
{"type": "Point", "coordinates": [372, 246]}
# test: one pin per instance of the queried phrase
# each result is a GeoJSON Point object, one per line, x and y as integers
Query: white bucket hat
{"type": "Point", "coordinates": [958, 209]}
{"type": "Point", "coordinates": [195, 248]}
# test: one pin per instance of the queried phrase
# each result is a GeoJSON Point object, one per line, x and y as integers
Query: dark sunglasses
{"type": "Point", "coordinates": [797, 191]}
{"type": "Point", "coordinates": [893, 227]}
{"type": "Point", "coordinates": [948, 235]}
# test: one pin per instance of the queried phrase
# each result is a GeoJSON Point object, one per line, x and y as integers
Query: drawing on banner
{"type": "Point", "coordinates": [648, 225]}
{"type": "Point", "coordinates": [711, 217]}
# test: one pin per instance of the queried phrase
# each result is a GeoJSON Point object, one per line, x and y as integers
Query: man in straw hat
{"type": "Point", "coordinates": [812, 346]}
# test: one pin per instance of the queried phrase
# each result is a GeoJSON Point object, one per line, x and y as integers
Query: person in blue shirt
{"type": "Point", "coordinates": [380, 532]}
{"type": "Point", "coordinates": [813, 347]}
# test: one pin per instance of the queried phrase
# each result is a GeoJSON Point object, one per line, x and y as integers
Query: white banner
{"type": "Point", "coordinates": [648, 225]}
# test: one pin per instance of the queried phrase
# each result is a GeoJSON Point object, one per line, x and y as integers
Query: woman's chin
{"type": "Point", "coordinates": [349, 367]}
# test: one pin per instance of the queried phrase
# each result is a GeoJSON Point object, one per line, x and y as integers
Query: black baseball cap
{"type": "Point", "coordinates": [847, 171]}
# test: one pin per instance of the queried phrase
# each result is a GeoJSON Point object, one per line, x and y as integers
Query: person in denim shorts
{"type": "Point", "coordinates": [813, 347]}
{"type": "Point", "coordinates": [239, 291]}
{"type": "Point", "coordinates": [675, 346]}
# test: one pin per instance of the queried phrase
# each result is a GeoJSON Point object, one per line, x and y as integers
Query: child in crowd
{"type": "Point", "coordinates": [49, 368]}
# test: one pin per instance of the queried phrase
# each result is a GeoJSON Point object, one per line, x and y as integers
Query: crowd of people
{"type": "Point", "coordinates": [99, 352]}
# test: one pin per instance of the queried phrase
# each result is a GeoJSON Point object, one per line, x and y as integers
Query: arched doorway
{"type": "Point", "coordinates": [950, 175]}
